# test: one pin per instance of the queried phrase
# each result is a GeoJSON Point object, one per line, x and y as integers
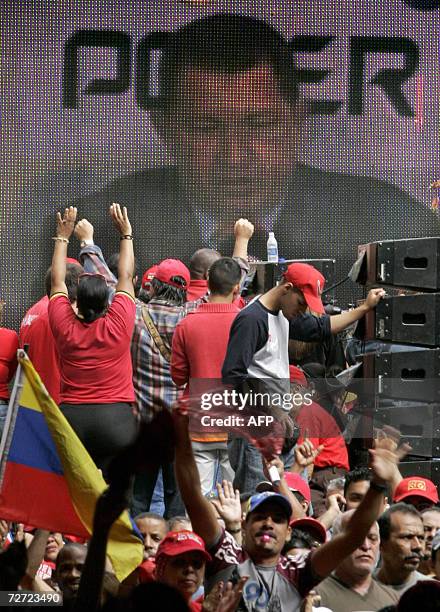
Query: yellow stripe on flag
{"type": "Point", "coordinates": [84, 480]}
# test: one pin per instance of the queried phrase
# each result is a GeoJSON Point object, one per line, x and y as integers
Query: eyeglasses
{"type": "Point", "coordinates": [92, 274]}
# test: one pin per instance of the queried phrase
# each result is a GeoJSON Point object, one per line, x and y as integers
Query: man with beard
{"type": "Point", "coordinates": [402, 543]}
{"type": "Point", "coordinates": [228, 114]}
{"type": "Point", "coordinates": [351, 586]}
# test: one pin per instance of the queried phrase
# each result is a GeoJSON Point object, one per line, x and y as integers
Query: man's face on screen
{"type": "Point", "coordinates": [233, 138]}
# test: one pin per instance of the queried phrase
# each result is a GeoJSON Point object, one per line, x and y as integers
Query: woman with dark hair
{"type": "Point", "coordinates": [93, 344]}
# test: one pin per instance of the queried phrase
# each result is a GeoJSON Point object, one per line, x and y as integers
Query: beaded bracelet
{"type": "Point", "coordinates": [60, 239]}
{"type": "Point", "coordinates": [127, 237]}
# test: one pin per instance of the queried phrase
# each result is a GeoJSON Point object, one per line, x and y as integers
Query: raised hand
{"type": "Point", "coordinates": [66, 223]}
{"type": "Point", "coordinates": [306, 453]}
{"type": "Point", "coordinates": [385, 457]}
{"type": "Point", "coordinates": [84, 230]}
{"type": "Point", "coordinates": [276, 462]}
{"type": "Point", "coordinates": [224, 598]}
{"type": "Point", "coordinates": [335, 501]}
{"type": "Point", "coordinates": [228, 503]}
{"type": "Point", "coordinates": [120, 219]}
{"type": "Point", "coordinates": [243, 229]}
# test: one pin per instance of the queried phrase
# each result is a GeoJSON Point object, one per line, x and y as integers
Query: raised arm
{"type": "Point", "coordinates": [91, 256]}
{"type": "Point", "coordinates": [200, 510]}
{"type": "Point", "coordinates": [383, 464]}
{"type": "Point", "coordinates": [243, 231]}
{"type": "Point", "coordinates": [65, 225]}
{"type": "Point", "coordinates": [343, 320]}
{"type": "Point", "coordinates": [126, 254]}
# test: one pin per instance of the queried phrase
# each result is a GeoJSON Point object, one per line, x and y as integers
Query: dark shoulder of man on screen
{"type": "Point", "coordinates": [382, 207]}
{"type": "Point", "coordinates": [326, 214]}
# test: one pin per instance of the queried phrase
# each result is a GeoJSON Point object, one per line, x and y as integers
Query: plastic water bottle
{"type": "Point", "coordinates": [272, 249]}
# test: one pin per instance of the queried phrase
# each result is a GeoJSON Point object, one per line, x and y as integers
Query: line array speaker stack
{"type": "Point", "coordinates": [404, 382]}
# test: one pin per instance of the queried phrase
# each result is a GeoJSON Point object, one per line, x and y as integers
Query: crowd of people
{"type": "Point", "coordinates": [253, 502]}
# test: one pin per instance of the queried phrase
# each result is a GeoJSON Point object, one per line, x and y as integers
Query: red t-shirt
{"type": "Point", "coordinates": [8, 359]}
{"type": "Point", "coordinates": [35, 331]}
{"type": "Point", "coordinates": [95, 361]}
{"type": "Point", "coordinates": [322, 428]}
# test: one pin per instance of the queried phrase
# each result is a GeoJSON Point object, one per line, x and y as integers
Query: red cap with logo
{"type": "Point", "coordinates": [310, 281]}
{"type": "Point", "coordinates": [148, 276]}
{"type": "Point", "coordinates": [416, 486]}
{"type": "Point", "coordinates": [296, 483]}
{"type": "Point", "coordinates": [172, 267]}
{"type": "Point", "coordinates": [179, 542]}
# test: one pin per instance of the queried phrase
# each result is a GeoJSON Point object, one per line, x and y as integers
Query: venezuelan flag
{"type": "Point", "coordinates": [47, 478]}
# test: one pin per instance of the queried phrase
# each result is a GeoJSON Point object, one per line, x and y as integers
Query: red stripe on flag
{"type": "Point", "coordinates": [38, 498]}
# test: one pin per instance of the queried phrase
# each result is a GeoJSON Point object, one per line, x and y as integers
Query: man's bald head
{"type": "Point", "coordinates": [201, 261]}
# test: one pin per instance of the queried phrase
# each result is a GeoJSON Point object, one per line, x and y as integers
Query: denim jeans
{"type": "Point", "coordinates": [247, 464]}
{"type": "Point", "coordinates": [144, 488]}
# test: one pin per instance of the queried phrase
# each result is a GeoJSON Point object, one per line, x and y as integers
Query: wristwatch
{"type": "Point", "coordinates": [85, 243]}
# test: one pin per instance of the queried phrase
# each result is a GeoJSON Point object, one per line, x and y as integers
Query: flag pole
{"type": "Point", "coordinates": [10, 416]}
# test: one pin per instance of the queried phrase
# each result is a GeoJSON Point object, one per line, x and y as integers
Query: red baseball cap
{"type": "Point", "coordinates": [310, 281]}
{"type": "Point", "coordinates": [311, 526]}
{"type": "Point", "coordinates": [296, 483]}
{"type": "Point", "coordinates": [417, 486]}
{"type": "Point", "coordinates": [179, 542]}
{"type": "Point", "coordinates": [148, 276]}
{"type": "Point", "coordinates": [71, 260]}
{"type": "Point", "coordinates": [172, 267]}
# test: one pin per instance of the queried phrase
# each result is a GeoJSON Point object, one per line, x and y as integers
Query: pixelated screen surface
{"type": "Point", "coordinates": [316, 120]}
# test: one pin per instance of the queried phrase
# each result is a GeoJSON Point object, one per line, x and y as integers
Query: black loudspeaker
{"type": "Point", "coordinates": [267, 274]}
{"type": "Point", "coordinates": [409, 319]}
{"type": "Point", "coordinates": [410, 263]}
{"type": "Point", "coordinates": [412, 375]}
{"type": "Point", "coordinates": [425, 469]}
{"type": "Point", "coordinates": [418, 424]}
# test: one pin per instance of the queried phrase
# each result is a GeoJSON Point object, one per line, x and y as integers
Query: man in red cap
{"type": "Point", "coordinates": [257, 356]}
{"type": "Point", "coordinates": [310, 282]}
{"type": "Point", "coordinates": [180, 563]}
{"type": "Point", "coordinates": [311, 526]}
{"type": "Point", "coordinates": [417, 491]}
{"type": "Point", "coordinates": [151, 354]}
{"type": "Point", "coordinates": [145, 290]}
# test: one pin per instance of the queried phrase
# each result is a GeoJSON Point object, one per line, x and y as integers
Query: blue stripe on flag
{"type": "Point", "coordinates": [32, 444]}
